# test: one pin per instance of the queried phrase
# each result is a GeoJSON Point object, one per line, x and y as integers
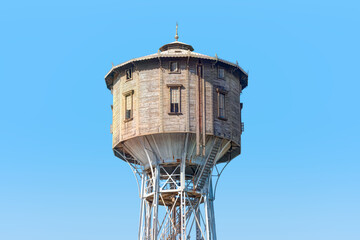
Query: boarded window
{"type": "Point", "coordinates": [174, 67]}
{"type": "Point", "coordinates": [128, 73]}
{"type": "Point", "coordinates": [128, 106]}
{"type": "Point", "coordinates": [175, 99]}
{"type": "Point", "coordinates": [221, 105]}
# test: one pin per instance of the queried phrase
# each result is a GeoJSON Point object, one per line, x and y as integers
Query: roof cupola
{"type": "Point", "coordinates": [176, 44]}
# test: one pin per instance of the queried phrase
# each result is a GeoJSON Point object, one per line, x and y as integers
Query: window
{"type": "Point", "coordinates": [128, 98]}
{"type": "Point", "coordinates": [128, 73]}
{"type": "Point", "coordinates": [221, 73]}
{"type": "Point", "coordinates": [221, 103]}
{"type": "Point", "coordinates": [128, 107]}
{"type": "Point", "coordinates": [175, 99]}
{"type": "Point", "coordinates": [174, 67]}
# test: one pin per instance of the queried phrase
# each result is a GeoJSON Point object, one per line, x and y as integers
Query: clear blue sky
{"type": "Point", "coordinates": [298, 177]}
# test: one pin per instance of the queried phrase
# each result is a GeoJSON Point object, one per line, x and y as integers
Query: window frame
{"type": "Point", "coordinates": [223, 92]}
{"type": "Point", "coordinates": [219, 70]}
{"type": "Point", "coordinates": [131, 95]}
{"type": "Point", "coordinates": [126, 75]}
{"type": "Point", "coordinates": [178, 67]}
{"type": "Point", "coordinates": [178, 87]}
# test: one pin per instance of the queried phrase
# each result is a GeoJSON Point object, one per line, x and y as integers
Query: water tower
{"type": "Point", "coordinates": [177, 123]}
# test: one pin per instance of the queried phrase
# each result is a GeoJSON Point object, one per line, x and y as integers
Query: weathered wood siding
{"type": "Point", "coordinates": [148, 97]}
{"type": "Point", "coordinates": [174, 123]}
{"type": "Point", "coordinates": [151, 100]}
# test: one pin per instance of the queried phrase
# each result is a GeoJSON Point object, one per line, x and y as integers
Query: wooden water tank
{"type": "Point", "coordinates": [161, 99]}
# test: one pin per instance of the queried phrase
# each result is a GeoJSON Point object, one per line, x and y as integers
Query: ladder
{"type": "Point", "coordinates": [207, 167]}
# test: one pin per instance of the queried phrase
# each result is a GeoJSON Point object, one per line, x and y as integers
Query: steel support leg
{"type": "Point", "coordinates": [155, 202]}
{"type": "Point", "coordinates": [142, 209]}
{"type": "Point", "coordinates": [148, 221]}
{"type": "Point", "coordinates": [207, 222]}
{"type": "Point", "coordinates": [198, 230]}
{"type": "Point", "coordinates": [212, 212]}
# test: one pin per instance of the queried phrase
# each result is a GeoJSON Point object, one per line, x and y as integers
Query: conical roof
{"type": "Point", "coordinates": [173, 50]}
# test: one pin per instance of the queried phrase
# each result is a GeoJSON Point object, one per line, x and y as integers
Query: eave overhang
{"type": "Point", "coordinates": [109, 77]}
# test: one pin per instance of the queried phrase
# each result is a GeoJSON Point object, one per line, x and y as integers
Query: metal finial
{"type": "Point", "coordinates": [176, 35]}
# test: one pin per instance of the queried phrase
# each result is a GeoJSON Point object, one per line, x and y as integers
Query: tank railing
{"type": "Point", "coordinates": [149, 185]}
{"type": "Point", "coordinates": [167, 185]}
{"type": "Point", "coordinates": [169, 180]}
{"type": "Point", "coordinates": [170, 187]}
{"type": "Point", "coordinates": [174, 185]}
{"type": "Point", "coordinates": [189, 184]}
